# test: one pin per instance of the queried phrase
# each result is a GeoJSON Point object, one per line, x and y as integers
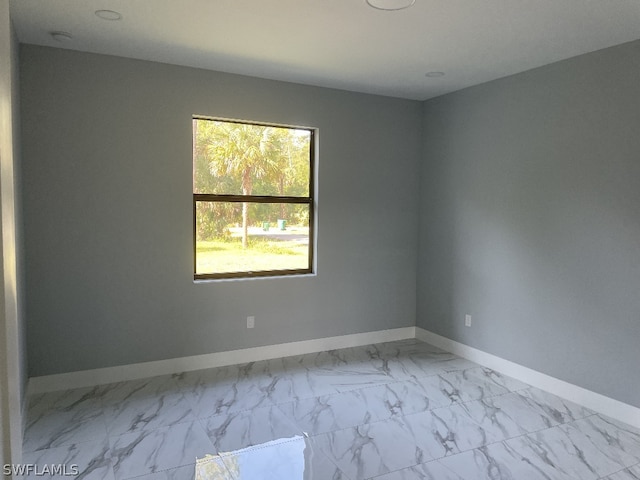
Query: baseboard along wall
{"type": "Point", "coordinates": [86, 378]}
{"type": "Point", "coordinates": [101, 376]}
{"type": "Point", "coordinates": [599, 403]}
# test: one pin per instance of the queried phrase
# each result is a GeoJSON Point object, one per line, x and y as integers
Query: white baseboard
{"type": "Point", "coordinates": [100, 376]}
{"type": "Point", "coordinates": [595, 401]}
{"type": "Point", "coordinates": [87, 378]}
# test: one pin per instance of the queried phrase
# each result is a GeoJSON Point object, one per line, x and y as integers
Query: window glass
{"type": "Point", "coordinates": [253, 199]}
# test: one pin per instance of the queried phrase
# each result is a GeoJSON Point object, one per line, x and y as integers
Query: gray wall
{"type": "Point", "coordinates": [108, 213]}
{"type": "Point", "coordinates": [530, 219]}
{"type": "Point", "coordinates": [12, 352]}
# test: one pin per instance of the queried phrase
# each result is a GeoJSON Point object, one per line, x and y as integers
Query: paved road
{"type": "Point", "coordinates": [292, 234]}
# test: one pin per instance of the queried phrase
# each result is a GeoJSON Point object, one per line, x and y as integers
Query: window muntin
{"type": "Point", "coordinates": [253, 199]}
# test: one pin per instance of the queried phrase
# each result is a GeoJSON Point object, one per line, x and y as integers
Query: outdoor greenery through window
{"type": "Point", "coordinates": [252, 199]}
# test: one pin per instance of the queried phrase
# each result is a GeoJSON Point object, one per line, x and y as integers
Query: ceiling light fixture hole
{"type": "Point", "coordinates": [110, 15]}
{"type": "Point", "coordinates": [61, 37]}
{"type": "Point", "coordinates": [390, 5]}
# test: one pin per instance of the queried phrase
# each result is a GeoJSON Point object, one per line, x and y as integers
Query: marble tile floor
{"type": "Point", "coordinates": [394, 411]}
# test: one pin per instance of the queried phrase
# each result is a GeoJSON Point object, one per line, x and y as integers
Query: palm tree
{"type": "Point", "coordinates": [240, 151]}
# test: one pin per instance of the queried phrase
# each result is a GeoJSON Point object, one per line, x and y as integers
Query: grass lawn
{"type": "Point", "coordinates": [224, 256]}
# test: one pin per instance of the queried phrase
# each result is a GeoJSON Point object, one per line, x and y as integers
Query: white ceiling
{"type": "Point", "coordinates": [340, 43]}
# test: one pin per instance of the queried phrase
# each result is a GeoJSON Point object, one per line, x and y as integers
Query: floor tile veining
{"type": "Point", "coordinates": [394, 411]}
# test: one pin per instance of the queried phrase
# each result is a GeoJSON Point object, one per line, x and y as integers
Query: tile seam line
{"type": "Point", "coordinates": [616, 472]}
{"type": "Point", "coordinates": [428, 410]}
{"type": "Point", "coordinates": [392, 382]}
{"type": "Point", "coordinates": [476, 448]}
{"type": "Point", "coordinates": [278, 406]}
{"type": "Point", "coordinates": [487, 445]}
{"type": "Point", "coordinates": [622, 470]}
{"type": "Point", "coordinates": [397, 381]}
{"type": "Point", "coordinates": [198, 418]}
{"type": "Point", "coordinates": [502, 395]}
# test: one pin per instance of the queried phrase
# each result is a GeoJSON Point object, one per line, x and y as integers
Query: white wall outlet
{"type": "Point", "coordinates": [467, 320]}
{"type": "Point", "coordinates": [251, 322]}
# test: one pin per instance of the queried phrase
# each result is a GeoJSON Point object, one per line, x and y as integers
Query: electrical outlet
{"type": "Point", "coordinates": [467, 320]}
{"type": "Point", "coordinates": [251, 322]}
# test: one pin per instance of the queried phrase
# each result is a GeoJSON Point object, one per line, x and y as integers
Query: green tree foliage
{"type": "Point", "coordinates": [239, 158]}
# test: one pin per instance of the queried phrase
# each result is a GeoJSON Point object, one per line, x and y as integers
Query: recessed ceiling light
{"type": "Point", "coordinates": [61, 37]}
{"type": "Point", "coordinates": [434, 74]}
{"type": "Point", "coordinates": [108, 15]}
{"type": "Point", "coordinates": [390, 4]}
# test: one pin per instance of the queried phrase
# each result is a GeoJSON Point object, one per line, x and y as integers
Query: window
{"type": "Point", "coordinates": [253, 199]}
